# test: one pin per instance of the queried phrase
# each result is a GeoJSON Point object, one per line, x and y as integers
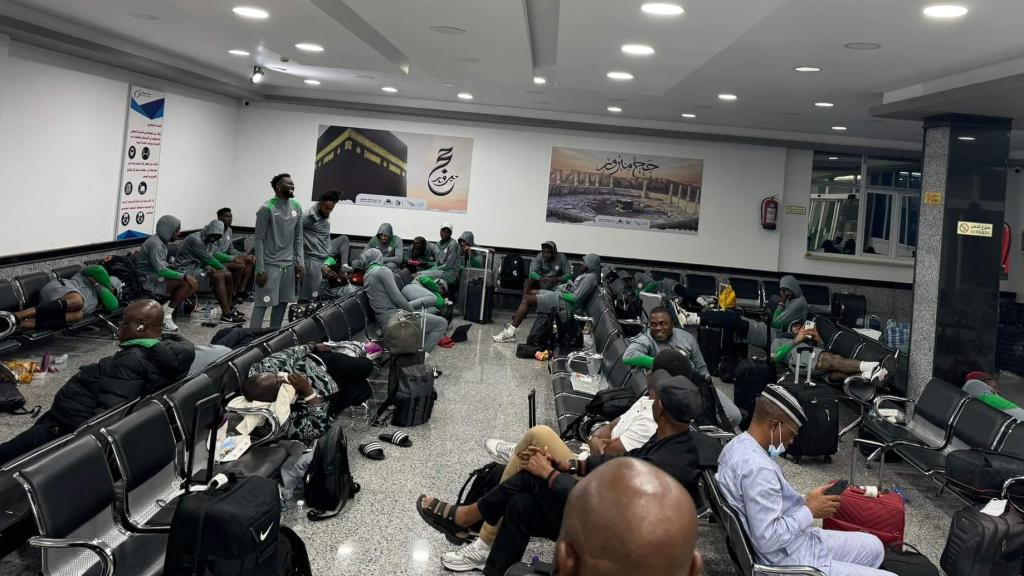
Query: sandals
{"type": "Point", "coordinates": [372, 450]}
{"type": "Point", "coordinates": [398, 438]}
{"type": "Point", "coordinates": [441, 517]}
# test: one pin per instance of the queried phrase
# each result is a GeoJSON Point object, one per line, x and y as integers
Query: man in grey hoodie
{"type": "Point", "coordinates": [279, 257]}
{"type": "Point", "coordinates": [199, 257]}
{"type": "Point", "coordinates": [548, 269]}
{"type": "Point", "coordinates": [571, 296]}
{"type": "Point", "coordinates": [157, 274]}
{"type": "Point", "coordinates": [316, 243]}
{"type": "Point", "coordinates": [386, 300]}
{"type": "Point", "coordinates": [390, 246]}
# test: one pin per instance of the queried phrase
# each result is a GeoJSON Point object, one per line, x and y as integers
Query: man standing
{"type": "Point", "coordinates": [278, 253]}
{"type": "Point", "coordinates": [316, 243]}
{"type": "Point", "coordinates": [241, 264]}
{"type": "Point", "coordinates": [157, 274]}
{"type": "Point", "coordinates": [198, 256]}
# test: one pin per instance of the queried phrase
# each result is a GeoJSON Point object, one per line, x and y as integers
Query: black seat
{"type": "Point", "coordinates": [612, 355]}
{"type": "Point", "coordinates": [334, 322]}
{"type": "Point", "coordinates": [619, 375]}
{"type": "Point", "coordinates": [819, 298]}
{"type": "Point", "coordinates": [281, 341]}
{"type": "Point", "coordinates": [748, 292]}
{"type": "Point", "coordinates": [769, 288]}
{"type": "Point", "coordinates": [844, 343]}
{"type": "Point", "coordinates": [65, 272]}
{"type": "Point", "coordinates": [1014, 441]}
{"type": "Point", "coordinates": [238, 371]}
{"type": "Point", "coordinates": [356, 315]}
{"type": "Point", "coordinates": [77, 532]}
{"type": "Point", "coordinates": [561, 383]}
{"type": "Point", "coordinates": [702, 284]}
{"type": "Point", "coordinates": [10, 299]}
{"type": "Point", "coordinates": [31, 284]}
{"type": "Point", "coordinates": [978, 426]}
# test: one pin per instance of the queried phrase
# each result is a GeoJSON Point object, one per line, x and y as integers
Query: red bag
{"type": "Point", "coordinates": [883, 516]}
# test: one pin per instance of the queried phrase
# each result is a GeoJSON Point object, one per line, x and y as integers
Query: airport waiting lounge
{"type": "Point", "coordinates": [518, 287]}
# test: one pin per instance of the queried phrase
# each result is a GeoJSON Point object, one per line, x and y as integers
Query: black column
{"type": "Point", "coordinates": [956, 274]}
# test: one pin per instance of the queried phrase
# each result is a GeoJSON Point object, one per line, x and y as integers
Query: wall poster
{"type": "Point", "coordinates": [140, 165]}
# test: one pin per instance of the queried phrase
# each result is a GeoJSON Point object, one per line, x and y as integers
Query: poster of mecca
{"type": "Point", "coordinates": [624, 190]}
{"type": "Point", "coordinates": [393, 169]}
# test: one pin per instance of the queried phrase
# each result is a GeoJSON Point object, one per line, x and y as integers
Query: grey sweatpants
{"type": "Point", "coordinates": [420, 297]}
{"type": "Point", "coordinates": [311, 283]}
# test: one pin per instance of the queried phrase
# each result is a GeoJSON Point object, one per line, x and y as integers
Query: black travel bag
{"type": "Point", "coordinates": [847, 308]}
{"type": "Point", "coordinates": [513, 272]}
{"type": "Point", "coordinates": [819, 437]}
{"type": "Point", "coordinates": [480, 482]}
{"type": "Point", "coordinates": [751, 378]}
{"type": "Point", "coordinates": [902, 559]}
{"type": "Point", "coordinates": [479, 300]}
{"type": "Point", "coordinates": [292, 557]}
{"type": "Point", "coordinates": [982, 545]}
{"type": "Point", "coordinates": [709, 340]}
{"type": "Point", "coordinates": [534, 568]}
{"type": "Point", "coordinates": [415, 396]}
{"type": "Point", "coordinates": [328, 482]}
{"type": "Point", "coordinates": [980, 473]}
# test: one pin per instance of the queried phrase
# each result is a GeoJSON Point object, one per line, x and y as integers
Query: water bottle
{"type": "Point", "coordinates": [300, 508]}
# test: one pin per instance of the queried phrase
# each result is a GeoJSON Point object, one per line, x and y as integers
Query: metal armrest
{"type": "Point", "coordinates": [98, 547]}
{"type": "Point", "coordinates": [715, 432]}
{"type": "Point", "coordinates": [877, 403]}
{"type": "Point", "coordinates": [803, 570]}
{"type": "Point", "coordinates": [1008, 483]}
{"type": "Point", "coordinates": [275, 426]}
{"type": "Point", "coordinates": [631, 322]}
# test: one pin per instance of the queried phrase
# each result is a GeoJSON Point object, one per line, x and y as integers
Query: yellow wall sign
{"type": "Point", "coordinates": [933, 197]}
{"type": "Point", "coordinates": [974, 229]}
{"type": "Point", "coordinates": [796, 209]}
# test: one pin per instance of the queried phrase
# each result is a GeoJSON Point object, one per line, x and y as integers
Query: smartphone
{"type": "Point", "coordinates": [809, 325]}
{"type": "Point", "coordinates": [837, 488]}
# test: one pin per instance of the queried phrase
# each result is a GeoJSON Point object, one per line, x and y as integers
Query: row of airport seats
{"type": "Point", "coordinates": [102, 496]}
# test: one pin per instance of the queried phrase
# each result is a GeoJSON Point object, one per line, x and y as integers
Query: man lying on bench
{"type": "Point", "coordinates": [803, 344]}
{"type": "Point", "coordinates": [69, 300]}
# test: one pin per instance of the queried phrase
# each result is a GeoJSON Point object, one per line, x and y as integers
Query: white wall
{"type": "Point", "coordinates": [62, 131]}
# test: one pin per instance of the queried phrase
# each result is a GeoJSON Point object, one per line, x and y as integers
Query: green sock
{"type": "Point", "coordinates": [439, 301]}
{"type": "Point", "coordinates": [99, 274]}
{"type": "Point", "coordinates": [107, 298]}
{"type": "Point", "coordinates": [429, 284]}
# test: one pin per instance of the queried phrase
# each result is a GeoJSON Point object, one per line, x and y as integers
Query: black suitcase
{"type": "Point", "coordinates": [751, 378]}
{"type": "Point", "coordinates": [414, 399]}
{"type": "Point", "coordinates": [513, 272]}
{"type": "Point", "coordinates": [983, 545]}
{"type": "Point", "coordinates": [819, 437]}
{"type": "Point", "coordinates": [709, 339]}
{"type": "Point", "coordinates": [328, 482]}
{"type": "Point", "coordinates": [980, 474]}
{"type": "Point", "coordinates": [847, 308]}
{"type": "Point", "coordinates": [479, 301]}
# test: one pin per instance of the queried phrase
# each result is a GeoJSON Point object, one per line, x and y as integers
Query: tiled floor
{"type": "Point", "coordinates": [482, 394]}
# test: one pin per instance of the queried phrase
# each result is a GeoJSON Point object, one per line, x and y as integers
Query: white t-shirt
{"type": "Point", "coordinates": [636, 425]}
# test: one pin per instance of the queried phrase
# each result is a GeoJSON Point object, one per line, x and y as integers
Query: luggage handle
{"type": "Point", "coordinates": [531, 400]}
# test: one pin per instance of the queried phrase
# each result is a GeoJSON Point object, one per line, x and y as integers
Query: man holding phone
{"type": "Point", "coordinates": [779, 521]}
{"type": "Point", "coordinates": [803, 345]}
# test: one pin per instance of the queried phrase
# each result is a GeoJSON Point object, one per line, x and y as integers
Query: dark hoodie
{"type": "Point", "coordinates": [197, 253]}
{"type": "Point", "coordinates": [392, 252]}
{"type": "Point", "coordinates": [151, 259]}
{"type": "Point", "coordinates": [557, 267]}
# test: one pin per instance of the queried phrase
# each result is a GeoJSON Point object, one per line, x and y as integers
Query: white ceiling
{"type": "Point", "coordinates": [747, 47]}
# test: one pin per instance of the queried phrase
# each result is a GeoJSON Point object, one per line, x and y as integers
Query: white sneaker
{"type": "Point", "coordinates": [506, 335]}
{"type": "Point", "coordinates": [500, 451]}
{"type": "Point", "coordinates": [878, 376]}
{"type": "Point", "coordinates": [691, 318]}
{"type": "Point", "coordinates": [469, 557]}
{"type": "Point", "coordinates": [169, 325]}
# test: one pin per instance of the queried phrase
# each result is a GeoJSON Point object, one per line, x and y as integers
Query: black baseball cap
{"type": "Point", "coordinates": [679, 395]}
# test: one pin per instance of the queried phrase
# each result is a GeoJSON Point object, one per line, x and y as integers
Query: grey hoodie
{"type": "Point", "coordinates": [152, 257]}
{"type": "Point", "coordinates": [278, 234]}
{"type": "Point", "coordinates": [227, 244]}
{"type": "Point", "coordinates": [316, 234]}
{"type": "Point", "coordinates": [558, 267]}
{"type": "Point", "coordinates": [585, 285]}
{"type": "Point", "coordinates": [381, 290]}
{"type": "Point", "coordinates": [644, 344]}
{"type": "Point", "coordinates": [448, 260]}
{"type": "Point", "coordinates": [195, 253]}
{"type": "Point", "coordinates": [792, 311]}
{"type": "Point", "coordinates": [391, 255]}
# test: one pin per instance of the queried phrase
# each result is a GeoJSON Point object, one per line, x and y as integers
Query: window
{"type": "Point", "coordinates": [886, 220]}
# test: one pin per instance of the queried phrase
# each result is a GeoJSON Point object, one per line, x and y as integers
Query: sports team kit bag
{"type": "Point", "coordinates": [984, 540]}
{"type": "Point", "coordinates": [513, 272]}
{"type": "Point", "coordinates": [415, 396]}
{"type": "Point", "coordinates": [819, 437]}
{"type": "Point", "coordinates": [981, 473]}
{"type": "Point", "coordinates": [404, 333]}
{"type": "Point", "coordinates": [902, 559]}
{"type": "Point", "coordinates": [328, 483]}
{"type": "Point", "coordinates": [480, 482]}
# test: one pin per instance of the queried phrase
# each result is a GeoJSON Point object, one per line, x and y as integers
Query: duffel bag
{"type": "Point", "coordinates": [403, 333]}
{"type": "Point", "coordinates": [981, 473]}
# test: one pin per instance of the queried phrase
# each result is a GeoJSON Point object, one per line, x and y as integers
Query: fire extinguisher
{"type": "Point", "coordinates": [1004, 262]}
{"type": "Point", "coordinates": [769, 212]}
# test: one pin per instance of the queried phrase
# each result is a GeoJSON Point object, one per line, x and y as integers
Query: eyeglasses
{"type": "Point", "coordinates": [795, 433]}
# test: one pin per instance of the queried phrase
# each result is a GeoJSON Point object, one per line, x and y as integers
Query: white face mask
{"type": "Point", "coordinates": [774, 451]}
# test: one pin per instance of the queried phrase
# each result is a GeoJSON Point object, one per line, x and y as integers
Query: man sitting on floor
{"type": "Point", "coordinates": [599, 539]}
{"type": "Point", "coordinates": [803, 344]}
{"type": "Point", "coordinates": [531, 502]}
{"type": "Point", "coordinates": [575, 296]}
{"type": "Point", "coordinates": [144, 364]}
{"type": "Point", "coordinates": [779, 521]}
{"type": "Point", "coordinates": [67, 300]}
{"type": "Point", "coordinates": [660, 335]}
{"type": "Point", "coordinates": [628, 432]}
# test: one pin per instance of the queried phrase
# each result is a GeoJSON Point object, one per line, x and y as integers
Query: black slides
{"type": "Point", "coordinates": [398, 438]}
{"type": "Point", "coordinates": [372, 450]}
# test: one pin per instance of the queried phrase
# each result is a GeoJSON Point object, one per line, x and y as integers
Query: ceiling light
{"type": "Point", "coordinates": [614, 109]}
{"type": "Point", "coordinates": [452, 30]}
{"type": "Point", "coordinates": [389, 89]}
{"type": "Point", "coordinates": [662, 9]}
{"type": "Point", "coordinates": [257, 75]}
{"type": "Point", "coordinates": [312, 82]}
{"type": "Point", "coordinates": [251, 12]}
{"type": "Point", "coordinates": [619, 75]}
{"type": "Point", "coordinates": [278, 68]}
{"type": "Point", "coordinates": [945, 11]}
{"type": "Point", "coordinates": [149, 17]}
{"type": "Point", "coordinates": [637, 49]}
{"type": "Point", "coordinates": [807, 69]}
{"type": "Point", "coordinates": [862, 45]}
{"type": "Point", "coordinates": [365, 77]}
{"type": "Point", "coordinates": [468, 59]}
{"type": "Point", "coordinates": [688, 115]}
{"type": "Point", "coordinates": [539, 80]}
{"type": "Point", "coordinates": [728, 97]}
{"type": "Point", "coordinates": [839, 128]}
{"type": "Point", "coordinates": [824, 104]}
{"type": "Point", "coordinates": [238, 52]}
{"type": "Point", "coordinates": [309, 47]}
{"type": "Point", "coordinates": [966, 138]}
{"type": "Point", "coordinates": [833, 157]}
{"type": "Point", "coordinates": [464, 96]}
{"type": "Point", "coordinates": [449, 84]}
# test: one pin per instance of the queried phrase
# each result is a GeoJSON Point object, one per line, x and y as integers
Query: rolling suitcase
{"type": "Point", "coordinates": [984, 541]}
{"type": "Point", "coordinates": [479, 301]}
{"type": "Point", "coordinates": [819, 437]}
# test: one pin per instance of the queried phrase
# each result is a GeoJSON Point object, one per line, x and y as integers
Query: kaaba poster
{"type": "Point", "coordinates": [393, 169]}
{"type": "Point", "coordinates": [624, 190]}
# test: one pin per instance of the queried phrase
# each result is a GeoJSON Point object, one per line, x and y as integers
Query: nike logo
{"type": "Point", "coordinates": [263, 535]}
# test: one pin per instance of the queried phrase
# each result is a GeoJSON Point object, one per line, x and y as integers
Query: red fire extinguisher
{"type": "Point", "coordinates": [769, 212]}
{"type": "Point", "coordinates": [1004, 262]}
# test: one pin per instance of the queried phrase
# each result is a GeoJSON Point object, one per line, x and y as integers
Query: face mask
{"type": "Point", "coordinates": [774, 451]}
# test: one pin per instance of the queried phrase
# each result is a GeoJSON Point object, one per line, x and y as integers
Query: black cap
{"type": "Point", "coordinates": [678, 395]}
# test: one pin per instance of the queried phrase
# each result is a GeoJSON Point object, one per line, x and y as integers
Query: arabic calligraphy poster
{"type": "Point", "coordinates": [393, 169]}
{"type": "Point", "coordinates": [624, 190]}
{"type": "Point", "coordinates": [140, 165]}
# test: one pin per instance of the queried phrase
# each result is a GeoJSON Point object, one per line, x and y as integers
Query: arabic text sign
{"type": "Point", "coordinates": [974, 229]}
{"type": "Point", "coordinates": [389, 169]}
{"type": "Point", "coordinates": [630, 191]}
{"type": "Point", "coordinates": [140, 165]}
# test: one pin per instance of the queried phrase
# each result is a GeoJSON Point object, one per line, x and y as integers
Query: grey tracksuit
{"type": "Point", "coordinates": [387, 300]}
{"type": "Point", "coordinates": [447, 261]}
{"type": "Point", "coordinates": [279, 234]}
{"type": "Point", "coordinates": [195, 252]}
{"type": "Point", "coordinates": [558, 267]}
{"type": "Point", "coordinates": [316, 244]}
{"type": "Point", "coordinates": [152, 257]}
{"type": "Point", "coordinates": [227, 244]}
{"type": "Point", "coordinates": [55, 289]}
{"type": "Point", "coordinates": [391, 255]}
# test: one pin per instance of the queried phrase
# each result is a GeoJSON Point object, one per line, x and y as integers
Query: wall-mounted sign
{"type": "Point", "coordinates": [933, 197]}
{"type": "Point", "coordinates": [798, 210]}
{"type": "Point", "coordinates": [974, 229]}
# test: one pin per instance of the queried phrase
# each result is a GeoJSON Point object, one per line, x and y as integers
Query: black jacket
{"type": "Point", "coordinates": [131, 373]}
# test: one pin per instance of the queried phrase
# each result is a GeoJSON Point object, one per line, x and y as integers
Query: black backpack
{"type": "Point", "coordinates": [13, 402]}
{"type": "Point", "coordinates": [415, 396]}
{"type": "Point", "coordinates": [605, 406]}
{"type": "Point", "coordinates": [124, 268]}
{"type": "Point", "coordinates": [513, 272]}
{"type": "Point", "coordinates": [292, 557]}
{"type": "Point", "coordinates": [328, 483]}
{"type": "Point", "coordinates": [480, 482]}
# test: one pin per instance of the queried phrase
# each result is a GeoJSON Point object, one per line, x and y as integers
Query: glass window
{"type": "Point", "coordinates": [909, 212]}
{"type": "Point", "coordinates": [878, 218]}
{"type": "Point", "coordinates": [835, 203]}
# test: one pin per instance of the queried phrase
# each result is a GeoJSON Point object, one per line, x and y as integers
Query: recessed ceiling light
{"type": "Point", "coordinates": [833, 157]}
{"type": "Point", "coordinates": [149, 17]}
{"type": "Point", "coordinates": [945, 11]}
{"type": "Point", "coordinates": [309, 47]}
{"type": "Point", "coordinates": [389, 89]}
{"type": "Point", "coordinates": [637, 49]}
{"type": "Point", "coordinates": [862, 45]}
{"type": "Point", "coordinates": [824, 104]}
{"type": "Point", "coordinates": [966, 138]}
{"type": "Point", "coordinates": [464, 96]}
{"type": "Point", "coordinates": [807, 69]}
{"type": "Point", "coordinates": [468, 59]}
{"type": "Point", "coordinates": [688, 115]}
{"type": "Point", "coordinates": [540, 80]}
{"type": "Point", "coordinates": [251, 12]}
{"type": "Point", "coordinates": [662, 9]}
{"type": "Point", "coordinates": [278, 68]}
{"type": "Point", "coordinates": [312, 82]}
{"type": "Point", "coordinates": [366, 77]}
{"type": "Point", "coordinates": [238, 52]}
{"type": "Point", "coordinates": [614, 75]}
{"type": "Point", "coordinates": [452, 30]}
{"type": "Point", "coordinates": [839, 128]}
{"type": "Point", "coordinates": [449, 84]}
{"type": "Point", "coordinates": [728, 97]}
{"type": "Point", "coordinates": [614, 109]}
{"type": "Point", "coordinates": [257, 75]}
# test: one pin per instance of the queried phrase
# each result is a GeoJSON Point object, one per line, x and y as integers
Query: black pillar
{"type": "Point", "coordinates": [956, 274]}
